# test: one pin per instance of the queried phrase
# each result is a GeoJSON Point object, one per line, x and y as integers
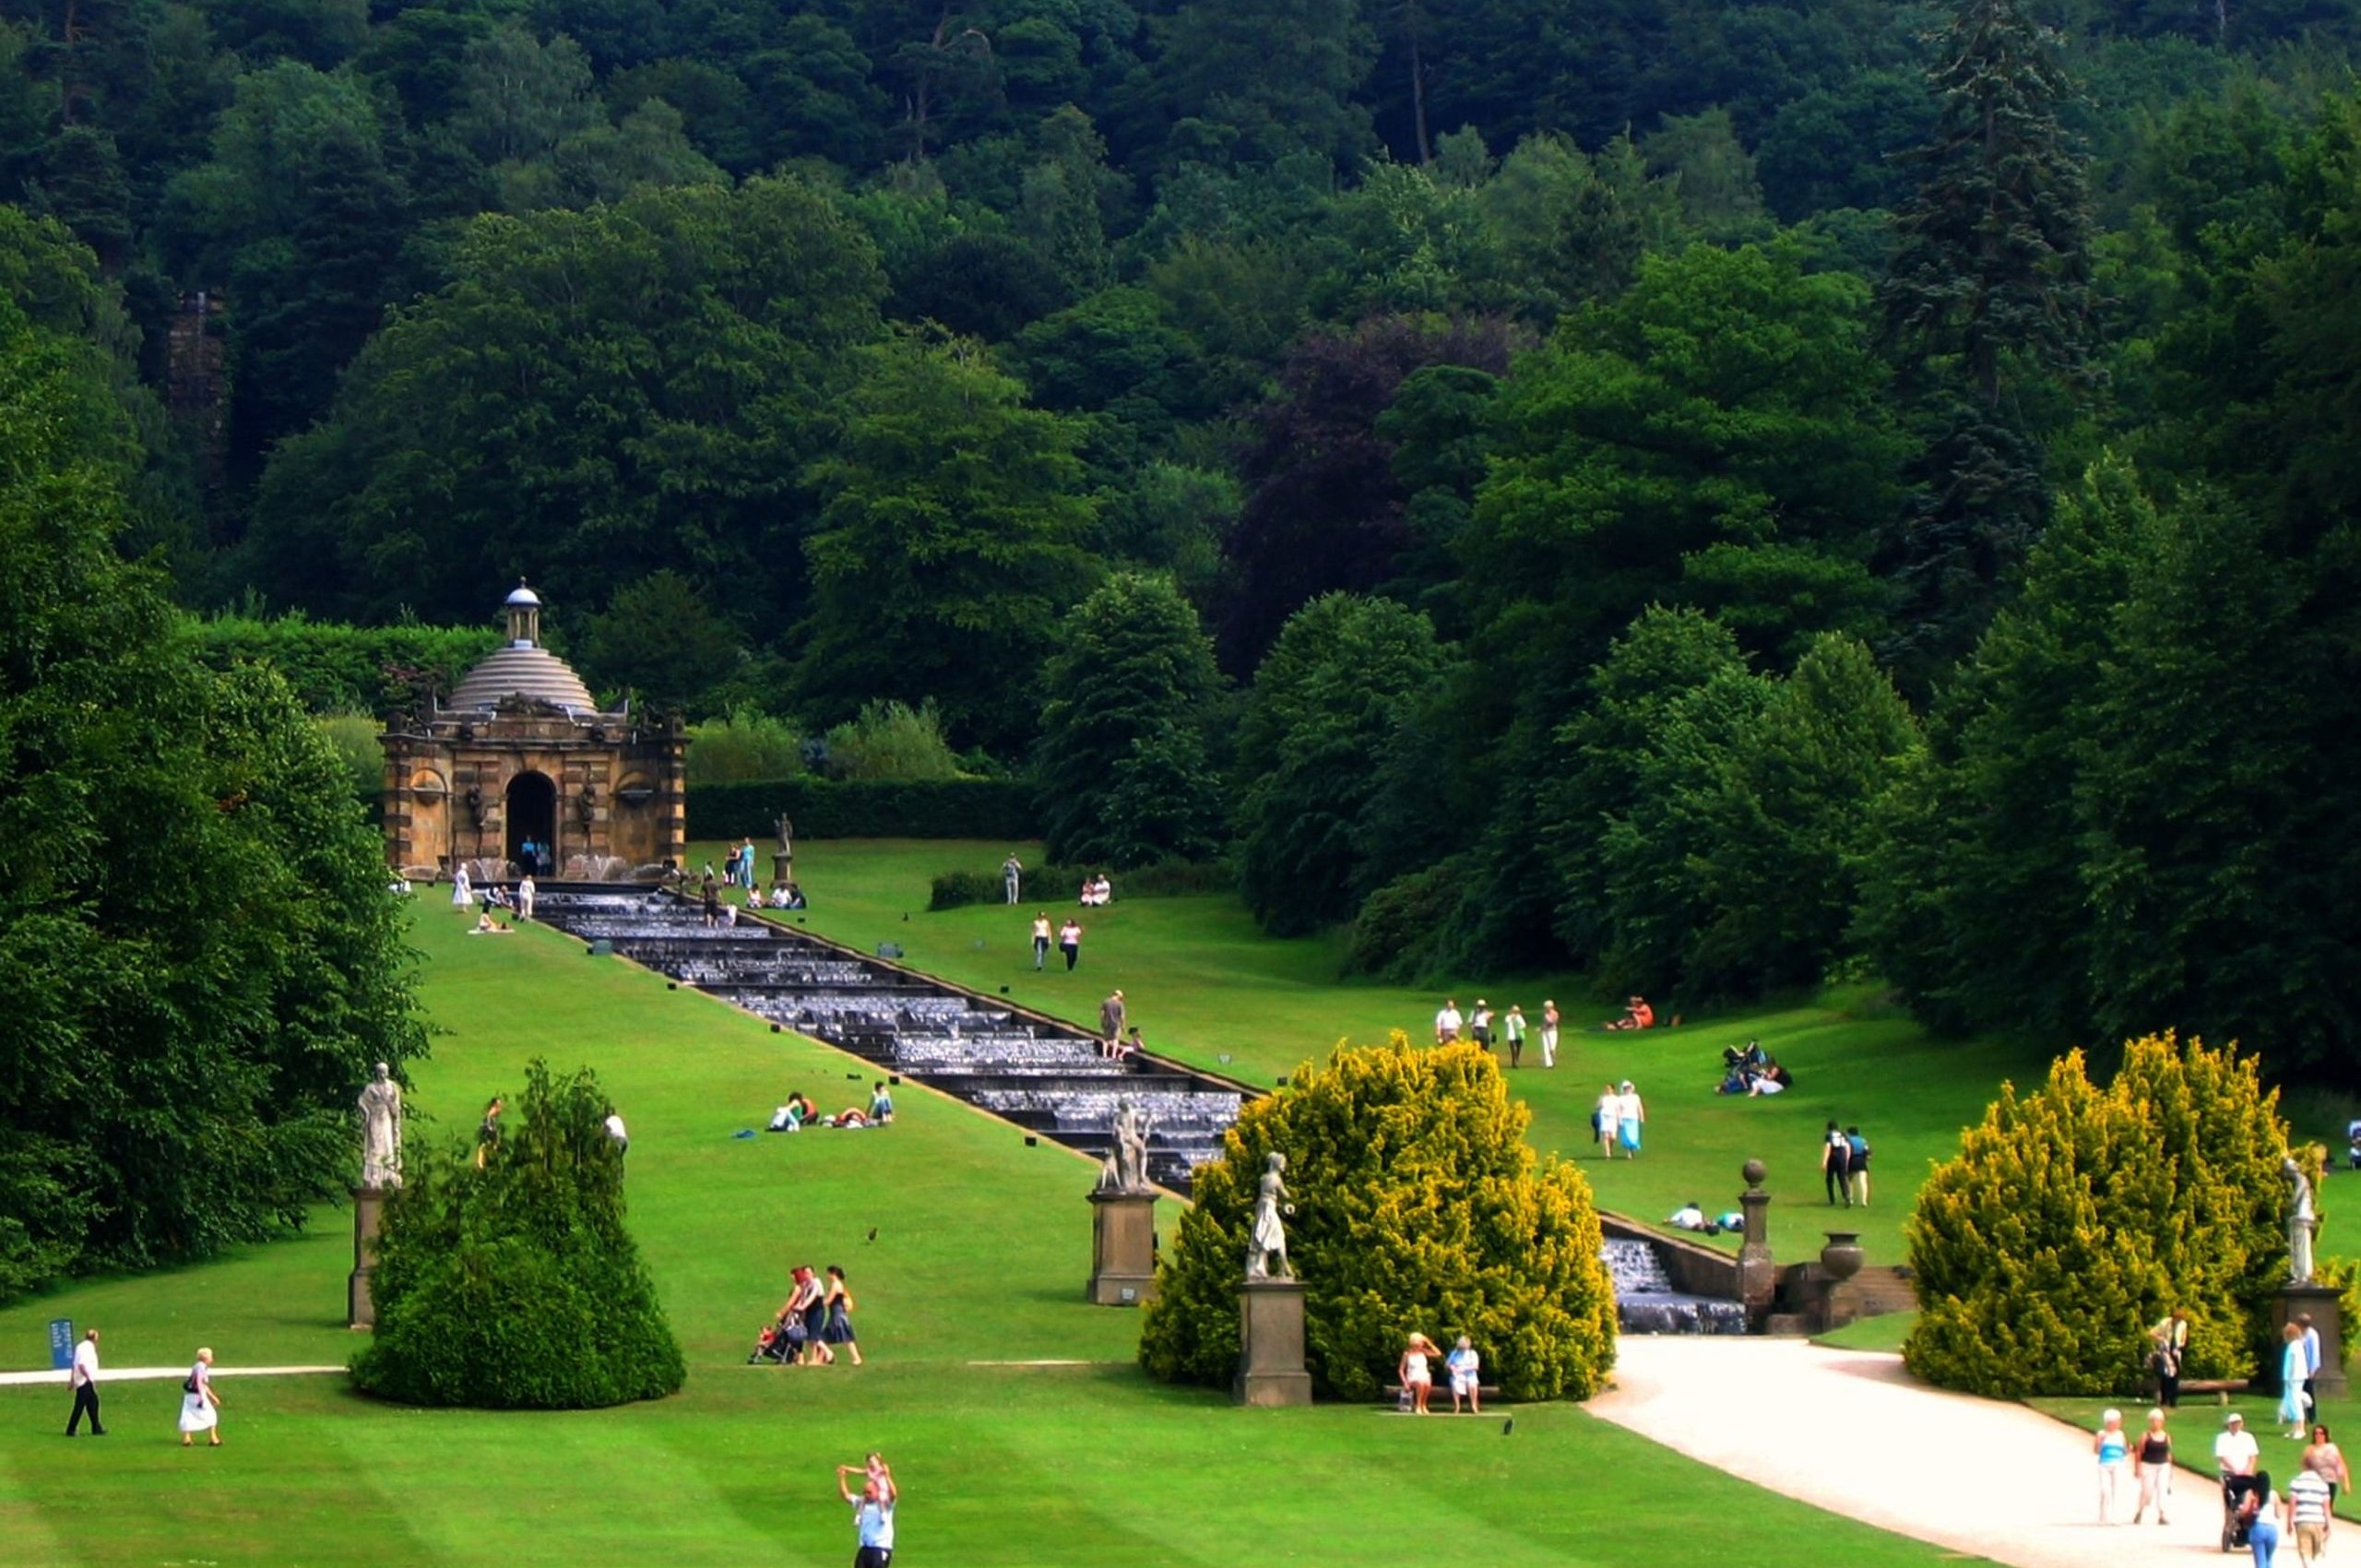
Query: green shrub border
{"type": "Point", "coordinates": [1049, 885]}
{"type": "Point", "coordinates": [829, 808]}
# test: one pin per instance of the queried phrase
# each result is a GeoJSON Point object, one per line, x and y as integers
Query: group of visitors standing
{"type": "Point", "coordinates": [2299, 1371]}
{"type": "Point", "coordinates": [1844, 1165]}
{"type": "Point", "coordinates": [1481, 1025]}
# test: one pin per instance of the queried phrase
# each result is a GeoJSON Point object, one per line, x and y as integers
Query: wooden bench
{"type": "Point", "coordinates": [1391, 1395]}
{"type": "Point", "coordinates": [2220, 1387]}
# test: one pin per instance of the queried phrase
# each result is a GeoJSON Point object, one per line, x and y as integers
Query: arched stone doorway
{"type": "Point", "coordinates": [532, 814]}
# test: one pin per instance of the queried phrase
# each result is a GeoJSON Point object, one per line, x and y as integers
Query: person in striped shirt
{"type": "Point", "coordinates": [2306, 1504]}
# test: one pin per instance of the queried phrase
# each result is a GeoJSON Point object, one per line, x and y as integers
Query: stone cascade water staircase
{"type": "Point", "coordinates": [1044, 1076]}
{"type": "Point", "coordinates": [1645, 1301]}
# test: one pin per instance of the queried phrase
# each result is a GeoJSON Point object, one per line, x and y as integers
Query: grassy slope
{"type": "Point", "coordinates": [980, 1256]}
{"type": "Point", "coordinates": [1205, 985]}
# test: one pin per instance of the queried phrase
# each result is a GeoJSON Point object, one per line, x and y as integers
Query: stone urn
{"type": "Point", "coordinates": [1842, 1257]}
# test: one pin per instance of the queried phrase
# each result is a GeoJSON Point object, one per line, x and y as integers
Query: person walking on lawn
{"type": "Point", "coordinates": [85, 1379]}
{"type": "Point", "coordinates": [1040, 939]}
{"type": "Point", "coordinates": [1070, 941]}
{"type": "Point", "coordinates": [1513, 1031]}
{"type": "Point", "coordinates": [200, 1407]}
{"type": "Point", "coordinates": [1634, 1117]}
{"type": "Point", "coordinates": [2155, 1455]}
{"type": "Point", "coordinates": [1548, 1033]}
{"type": "Point", "coordinates": [1836, 1165]}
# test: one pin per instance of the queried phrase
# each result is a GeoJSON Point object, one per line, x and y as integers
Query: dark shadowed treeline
{"type": "Point", "coordinates": [1724, 494]}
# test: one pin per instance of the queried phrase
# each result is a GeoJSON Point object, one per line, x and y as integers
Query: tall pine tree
{"type": "Point", "coordinates": [1987, 305]}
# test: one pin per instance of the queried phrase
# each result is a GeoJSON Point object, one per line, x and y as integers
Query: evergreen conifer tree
{"type": "Point", "coordinates": [1987, 303]}
{"type": "Point", "coordinates": [506, 1280]}
{"type": "Point", "coordinates": [1123, 770]}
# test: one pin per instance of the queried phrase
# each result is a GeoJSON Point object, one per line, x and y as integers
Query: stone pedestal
{"type": "Point", "coordinates": [1270, 1343]}
{"type": "Point", "coordinates": [1758, 1274]}
{"type": "Point", "coordinates": [368, 1209]}
{"type": "Point", "coordinates": [1122, 1248]}
{"type": "Point", "coordinates": [782, 868]}
{"type": "Point", "coordinates": [2320, 1303]}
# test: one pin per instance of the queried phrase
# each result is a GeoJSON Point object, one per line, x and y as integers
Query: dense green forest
{"type": "Point", "coordinates": [1724, 493]}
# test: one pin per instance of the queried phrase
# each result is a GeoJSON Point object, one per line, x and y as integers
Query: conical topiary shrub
{"type": "Point", "coordinates": [2075, 1217]}
{"type": "Point", "coordinates": [1419, 1205]}
{"type": "Point", "coordinates": [513, 1285]}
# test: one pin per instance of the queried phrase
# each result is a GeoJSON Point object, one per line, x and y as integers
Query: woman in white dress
{"type": "Point", "coordinates": [200, 1407]}
{"type": "Point", "coordinates": [1417, 1376]}
{"type": "Point", "coordinates": [463, 895]}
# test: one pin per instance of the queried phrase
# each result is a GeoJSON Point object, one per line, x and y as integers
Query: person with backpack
{"type": "Point", "coordinates": [1836, 1165]}
{"type": "Point", "coordinates": [1857, 1166]}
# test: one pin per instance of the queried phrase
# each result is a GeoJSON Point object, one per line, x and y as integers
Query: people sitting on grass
{"type": "Point", "coordinates": [754, 897]}
{"type": "Point", "coordinates": [1097, 890]}
{"type": "Point", "coordinates": [794, 1115]}
{"type": "Point", "coordinates": [881, 1105]}
{"type": "Point", "coordinates": [1691, 1215]}
{"type": "Point", "coordinates": [1637, 1015]}
{"type": "Point", "coordinates": [791, 899]}
{"type": "Point", "coordinates": [1770, 1078]}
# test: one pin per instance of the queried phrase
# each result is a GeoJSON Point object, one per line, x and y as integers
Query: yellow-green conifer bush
{"type": "Point", "coordinates": [2075, 1217]}
{"type": "Point", "coordinates": [1419, 1205]}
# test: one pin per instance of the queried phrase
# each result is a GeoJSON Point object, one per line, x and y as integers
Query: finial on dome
{"type": "Point", "coordinates": [524, 607]}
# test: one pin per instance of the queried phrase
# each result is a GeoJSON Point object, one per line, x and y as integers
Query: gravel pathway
{"type": "Point", "coordinates": [139, 1374]}
{"type": "Point", "coordinates": [1852, 1433]}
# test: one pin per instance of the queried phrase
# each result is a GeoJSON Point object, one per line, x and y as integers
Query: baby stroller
{"type": "Point", "coordinates": [780, 1342]}
{"type": "Point", "coordinates": [2233, 1522]}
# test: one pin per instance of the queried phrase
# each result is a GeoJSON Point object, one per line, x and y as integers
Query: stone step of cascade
{"type": "Point", "coordinates": [1040, 1075]}
{"type": "Point", "coordinates": [1884, 1289]}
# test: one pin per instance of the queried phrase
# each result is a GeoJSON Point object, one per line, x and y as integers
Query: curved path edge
{"type": "Point", "coordinates": [1852, 1433]}
{"type": "Point", "coordinates": [143, 1374]}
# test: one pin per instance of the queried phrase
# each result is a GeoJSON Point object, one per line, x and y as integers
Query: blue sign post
{"type": "Point", "coordinates": [60, 1343]}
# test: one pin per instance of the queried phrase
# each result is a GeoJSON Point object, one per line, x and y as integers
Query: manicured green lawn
{"type": "Point", "coordinates": [1885, 1332]}
{"type": "Point", "coordinates": [980, 1256]}
{"type": "Point", "coordinates": [1207, 987]}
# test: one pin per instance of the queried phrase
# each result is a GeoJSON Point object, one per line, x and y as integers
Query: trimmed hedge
{"type": "Point", "coordinates": [1055, 884]}
{"type": "Point", "coordinates": [848, 808]}
{"type": "Point", "coordinates": [340, 669]}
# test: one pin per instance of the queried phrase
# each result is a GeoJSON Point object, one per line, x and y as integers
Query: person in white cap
{"type": "Point", "coordinates": [2235, 1453]}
